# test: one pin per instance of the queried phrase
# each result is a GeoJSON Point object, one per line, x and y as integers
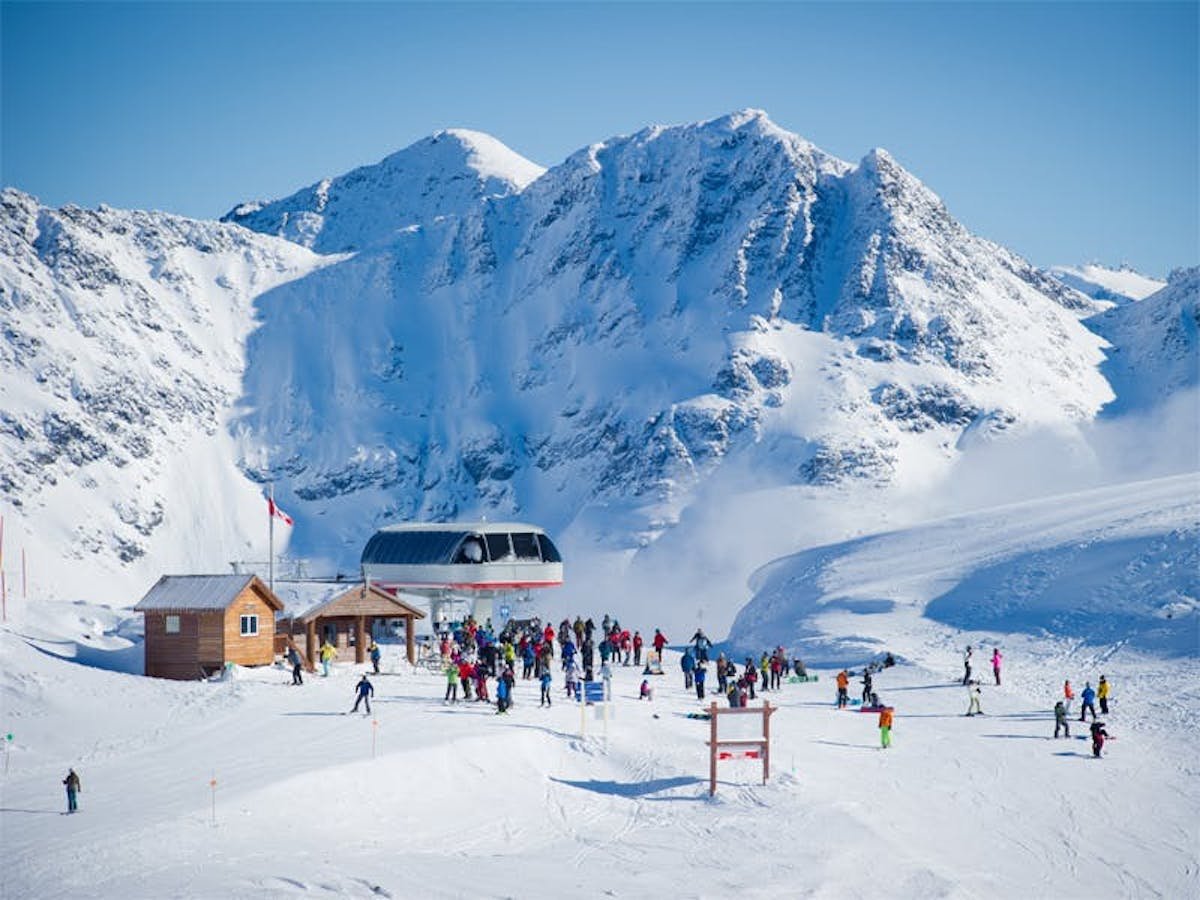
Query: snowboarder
{"type": "Point", "coordinates": [545, 682]}
{"type": "Point", "coordinates": [843, 689]}
{"type": "Point", "coordinates": [996, 660]}
{"type": "Point", "coordinates": [885, 727]}
{"type": "Point", "coordinates": [294, 658]}
{"type": "Point", "coordinates": [699, 676]}
{"type": "Point", "coordinates": [375, 654]}
{"type": "Point", "coordinates": [976, 695]}
{"type": "Point", "coordinates": [1098, 736]}
{"type": "Point", "coordinates": [967, 666]}
{"type": "Point", "coordinates": [73, 788]}
{"type": "Point", "coordinates": [1102, 690]}
{"type": "Point", "coordinates": [365, 689]}
{"type": "Point", "coordinates": [1060, 719]}
{"type": "Point", "coordinates": [688, 664]}
{"type": "Point", "coordinates": [1088, 698]}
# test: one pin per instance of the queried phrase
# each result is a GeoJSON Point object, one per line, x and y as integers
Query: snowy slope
{"type": "Point", "coordinates": [123, 355]}
{"type": "Point", "coordinates": [1155, 354]}
{"type": "Point", "coordinates": [1111, 286]}
{"type": "Point", "coordinates": [444, 174]}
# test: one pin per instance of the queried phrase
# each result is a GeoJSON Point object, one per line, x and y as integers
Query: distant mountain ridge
{"type": "Point", "coordinates": [474, 335]}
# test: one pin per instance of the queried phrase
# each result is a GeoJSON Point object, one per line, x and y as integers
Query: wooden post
{"type": "Point", "coordinates": [410, 640]}
{"type": "Point", "coordinates": [766, 751]}
{"type": "Point", "coordinates": [360, 639]}
{"type": "Point", "coordinates": [310, 643]}
{"type": "Point", "coordinates": [712, 749]}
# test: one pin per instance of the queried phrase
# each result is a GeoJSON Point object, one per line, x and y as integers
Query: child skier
{"type": "Point", "coordinates": [974, 708]}
{"type": "Point", "coordinates": [1098, 736]}
{"type": "Point", "coordinates": [885, 727]}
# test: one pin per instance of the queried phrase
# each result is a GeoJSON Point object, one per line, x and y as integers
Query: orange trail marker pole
{"type": "Point", "coordinates": [374, 729]}
{"type": "Point", "coordinates": [213, 784]}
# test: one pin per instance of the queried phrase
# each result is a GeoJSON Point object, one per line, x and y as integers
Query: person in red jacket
{"type": "Point", "coordinates": [660, 641]}
{"type": "Point", "coordinates": [637, 648]}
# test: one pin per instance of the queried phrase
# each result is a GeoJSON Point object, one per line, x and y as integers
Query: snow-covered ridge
{"type": "Point", "coordinates": [444, 174]}
{"type": "Point", "coordinates": [1112, 286]}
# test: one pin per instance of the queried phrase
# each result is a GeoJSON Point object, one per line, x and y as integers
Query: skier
{"type": "Point", "coordinates": [1060, 719]}
{"type": "Point", "coordinates": [1102, 695]}
{"type": "Point", "coordinates": [451, 682]}
{"type": "Point", "coordinates": [688, 664]}
{"type": "Point", "coordinates": [996, 660]}
{"type": "Point", "coordinates": [866, 692]}
{"type": "Point", "coordinates": [974, 708]}
{"type": "Point", "coordinates": [73, 788]}
{"type": "Point", "coordinates": [545, 682]}
{"type": "Point", "coordinates": [1088, 698]}
{"type": "Point", "coordinates": [843, 688]}
{"type": "Point", "coordinates": [885, 727]}
{"type": "Point", "coordinates": [1068, 696]}
{"type": "Point", "coordinates": [294, 658]}
{"type": "Point", "coordinates": [365, 690]}
{"type": "Point", "coordinates": [967, 666]}
{"type": "Point", "coordinates": [1098, 736]}
{"type": "Point", "coordinates": [699, 675]}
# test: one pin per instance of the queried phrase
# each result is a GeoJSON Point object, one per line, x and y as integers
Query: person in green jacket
{"type": "Point", "coordinates": [451, 683]}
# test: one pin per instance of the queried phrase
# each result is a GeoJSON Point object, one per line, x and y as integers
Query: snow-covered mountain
{"type": "Point", "coordinates": [590, 346]}
{"type": "Point", "coordinates": [1106, 285]}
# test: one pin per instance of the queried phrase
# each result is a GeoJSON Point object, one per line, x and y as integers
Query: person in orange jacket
{"type": "Point", "coordinates": [843, 685]}
{"type": "Point", "coordinates": [1068, 695]}
{"type": "Point", "coordinates": [885, 727]}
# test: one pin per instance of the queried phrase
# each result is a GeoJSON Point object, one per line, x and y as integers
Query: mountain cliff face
{"type": "Point", "coordinates": [474, 336]}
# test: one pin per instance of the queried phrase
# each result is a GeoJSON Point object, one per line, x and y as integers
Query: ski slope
{"type": "Point", "coordinates": [431, 800]}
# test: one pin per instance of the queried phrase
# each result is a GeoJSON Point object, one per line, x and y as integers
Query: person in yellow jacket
{"type": "Point", "coordinates": [1102, 690]}
{"type": "Point", "coordinates": [885, 727]}
{"type": "Point", "coordinates": [328, 655]}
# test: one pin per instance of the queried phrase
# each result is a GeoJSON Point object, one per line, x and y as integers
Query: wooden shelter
{"type": "Point", "coordinates": [346, 616]}
{"type": "Point", "coordinates": [195, 624]}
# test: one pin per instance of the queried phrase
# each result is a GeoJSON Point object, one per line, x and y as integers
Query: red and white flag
{"type": "Point", "coordinates": [276, 511]}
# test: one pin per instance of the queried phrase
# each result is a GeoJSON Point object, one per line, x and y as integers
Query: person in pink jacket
{"type": "Point", "coordinates": [996, 660]}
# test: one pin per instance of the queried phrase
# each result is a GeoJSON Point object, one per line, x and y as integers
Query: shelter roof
{"type": "Point", "coordinates": [306, 600]}
{"type": "Point", "coordinates": [201, 592]}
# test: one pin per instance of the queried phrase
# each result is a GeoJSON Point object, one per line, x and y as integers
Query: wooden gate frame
{"type": "Point", "coordinates": [762, 744]}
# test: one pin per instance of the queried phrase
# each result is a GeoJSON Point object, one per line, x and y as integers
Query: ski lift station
{"type": "Point", "coordinates": [459, 567]}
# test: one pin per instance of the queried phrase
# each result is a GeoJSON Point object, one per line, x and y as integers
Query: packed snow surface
{"type": "Point", "coordinates": [1120, 285]}
{"type": "Point", "coordinates": [255, 788]}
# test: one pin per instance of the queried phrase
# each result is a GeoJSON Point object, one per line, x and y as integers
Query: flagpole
{"type": "Point", "coordinates": [271, 541]}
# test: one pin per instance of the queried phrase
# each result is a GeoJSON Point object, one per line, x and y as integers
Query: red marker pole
{"type": "Point", "coordinates": [213, 784]}
{"type": "Point", "coordinates": [374, 729]}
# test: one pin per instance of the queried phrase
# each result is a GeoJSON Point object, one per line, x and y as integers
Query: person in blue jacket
{"type": "Point", "coordinates": [1089, 702]}
{"type": "Point", "coordinates": [545, 681]}
{"type": "Point", "coordinates": [502, 690]}
{"type": "Point", "coordinates": [688, 664]}
{"type": "Point", "coordinates": [365, 689]}
{"type": "Point", "coordinates": [700, 674]}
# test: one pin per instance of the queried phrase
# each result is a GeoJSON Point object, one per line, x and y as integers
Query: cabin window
{"type": "Point", "coordinates": [550, 553]}
{"type": "Point", "coordinates": [171, 624]}
{"type": "Point", "coordinates": [249, 626]}
{"type": "Point", "coordinates": [470, 551]}
{"type": "Point", "coordinates": [498, 547]}
{"type": "Point", "coordinates": [525, 546]}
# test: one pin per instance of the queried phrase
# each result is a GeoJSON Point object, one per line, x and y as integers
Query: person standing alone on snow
{"type": "Point", "coordinates": [73, 788]}
{"type": "Point", "coordinates": [364, 689]}
{"type": "Point", "coordinates": [545, 682]}
{"type": "Point", "coordinates": [294, 659]}
{"type": "Point", "coordinates": [1060, 719]}
{"type": "Point", "coordinates": [967, 666]}
{"type": "Point", "coordinates": [974, 708]}
{"type": "Point", "coordinates": [996, 660]}
{"type": "Point", "coordinates": [885, 727]}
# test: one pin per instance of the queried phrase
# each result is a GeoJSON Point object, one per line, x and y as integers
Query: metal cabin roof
{"type": "Point", "coordinates": [194, 592]}
{"type": "Point", "coordinates": [412, 547]}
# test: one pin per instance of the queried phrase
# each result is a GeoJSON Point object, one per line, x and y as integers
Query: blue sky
{"type": "Point", "coordinates": [1066, 131]}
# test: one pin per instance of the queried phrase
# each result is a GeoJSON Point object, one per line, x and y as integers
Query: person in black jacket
{"type": "Point", "coordinates": [365, 689]}
{"type": "Point", "coordinates": [73, 788]}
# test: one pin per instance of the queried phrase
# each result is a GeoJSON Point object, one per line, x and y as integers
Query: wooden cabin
{"type": "Point", "coordinates": [195, 624]}
{"type": "Point", "coordinates": [349, 616]}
